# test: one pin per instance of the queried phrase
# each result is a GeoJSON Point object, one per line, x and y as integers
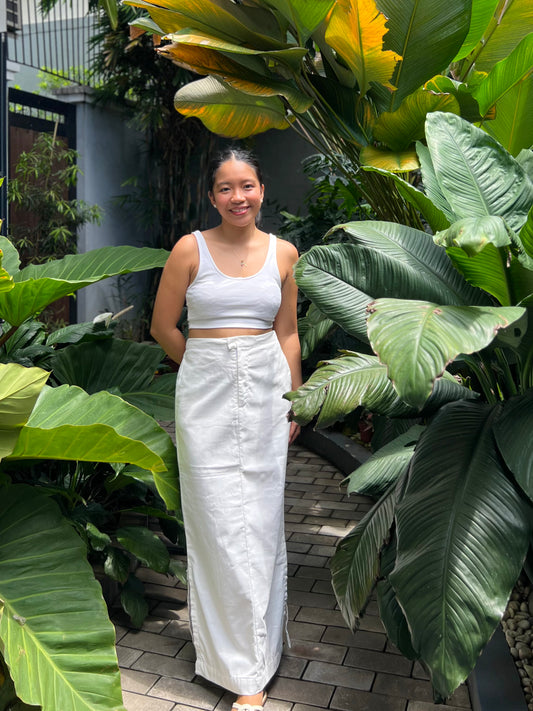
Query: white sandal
{"type": "Point", "coordinates": [250, 707]}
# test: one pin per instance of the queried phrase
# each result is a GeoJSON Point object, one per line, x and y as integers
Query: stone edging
{"type": "Point", "coordinates": [494, 683]}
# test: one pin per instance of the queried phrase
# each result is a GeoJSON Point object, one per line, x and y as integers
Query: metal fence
{"type": "Point", "coordinates": [56, 42]}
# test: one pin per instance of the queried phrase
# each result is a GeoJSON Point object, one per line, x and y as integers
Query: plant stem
{"type": "Point", "coordinates": [7, 335]}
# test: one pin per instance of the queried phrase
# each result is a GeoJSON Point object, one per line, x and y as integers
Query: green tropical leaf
{"type": "Point", "coordinates": [146, 546]}
{"type": "Point", "coordinates": [508, 90]}
{"type": "Point", "coordinates": [237, 23]}
{"type": "Point", "coordinates": [482, 13]}
{"type": "Point", "coordinates": [110, 363]}
{"type": "Point", "coordinates": [76, 332]}
{"type": "Point", "coordinates": [117, 564]}
{"type": "Point", "coordinates": [390, 611]}
{"type": "Point", "coordinates": [476, 174]}
{"type": "Point", "coordinates": [340, 385]}
{"type": "Point", "coordinates": [463, 532]}
{"type": "Point", "coordinates": [509, 25]}
{"type": "Point", "coordinates": [313, 328]}
{"type": "Point", "coordinates": [435, 218]}
{"type": "Point", "coordinates": [10, 256]}
{"type": "Point", "coordinates": [513, 437]}
{"type": "Point", "coordinates": [229, 112]}
{"type": "Point", "coordinates": [19, 390]}
{"type": "Point", "coordinates": [68, 424]}
{"type": "Point", "coordinates": [418, 339]}
{"type": "Point", "coordinates": [38, 285]}
{"type": "Point", "coordinates": [355, 564]}
{"type": "Point", "coordinates": [385, 466]}
{"type": "Point", "coordinates": [400, 128]}
{"type": "Point", "coordinates": [526, 234]}
{"type": "Point", "coordinates": [133, 601]}
{"type": "Point", "coordinates": [431, 185]}
{"type": "Point", "coordinates": [525, 159]}
{"type": "Point", "coordinates": [157, 399]}
{"type": "Point", "coordinates": [6, 280]}
{"type": "Point", "coordinates": [303, 15]}
{"type": "Point", "coordinates": [473, 234]}
{"type": "Point", "coordinates": [53, 611]}
{"type": "Point", "coordinates": [110, 7]}
{"type": "Point", "coordinates": [410, 25]}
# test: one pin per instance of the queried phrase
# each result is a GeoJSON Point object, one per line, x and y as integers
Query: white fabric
{"type": "Point", "coordinates": [216, 300]}
{"type": "Point", "coordinates": [232, 438]}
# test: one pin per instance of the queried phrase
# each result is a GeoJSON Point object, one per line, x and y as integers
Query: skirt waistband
{"type": "Point", "coordinates": [231, 342]}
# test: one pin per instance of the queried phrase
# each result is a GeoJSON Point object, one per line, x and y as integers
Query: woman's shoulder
{"type": "Point", "coordinates": [286, 250]}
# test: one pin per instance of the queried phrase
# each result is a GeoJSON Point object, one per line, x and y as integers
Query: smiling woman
{"type": "Point", "coordinates": [232, 430]}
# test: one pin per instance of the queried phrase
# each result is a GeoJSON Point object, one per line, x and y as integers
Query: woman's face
{"type": "Point", "coordinates": [237, 193]}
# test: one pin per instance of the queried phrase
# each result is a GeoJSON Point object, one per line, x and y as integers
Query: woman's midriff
{"type": "Point", "coordinates": [226, 332]}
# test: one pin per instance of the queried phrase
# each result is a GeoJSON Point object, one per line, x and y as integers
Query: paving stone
{"type": "Point", "coordinates": [295, 547]}
{"type": "Point", "coordinates": [370, 623]}
{"type": "Point", "coordinates": [120, 631]}
{"type": "Point", "coordinates": [294, 518]}
{"type": "Point", "coordinates": [302, 630]}
{"type": "Point", "coordinates": [187, 652]}
{"type": "Point", "coordinates": [177, 596]}
{"type": "Point", "coordinates": [309, 599]}
{"type": "Point", "coordinates": [333, 653]}
{"type": "Point", "coordinates": [304, 584]}
{"type": "Point", "coordinates": [324, 496]}
{"type": "Point", "coordinates": [419, 672]}
{"type": "Point", "coordinates": [165, 666]}
{"type": "Point", "coordinates": [191, 694]}
{"type": "Point", "coordinates": [154, 624]}
{"type": "Point", "coordinates": [350, 699]}
{"type": "Point", "coordinates": [127, 656]}
{"type": "Point", "coordinates": [460, 697]}
{"type": "Point", "coordinates": [302, 527]}
{"type": "Point", "coordinates": [137, 702]}
{"type": "Point", "coordinates": [339, 675]}
{"type": "Point", "coordinates": [312, 538]}
{"type": "Point", "coordinates": [292, 611]}
{"type": "Point", "coordinates": [171, 611]}
{"type": "Point", "coordinates": [328, 551]}
{"type": "Point", "coordinates": [324, 587]}
{"type": "Point", "coordinates": [299, 486]}
{"type": "Point", "coordinates": [315, 573]}
{"type": "Point", "coordinates": [378, 661]}
{"type": "Point", "coordinates": [360, 638]}
{"type": "Point", "coordinates": [333, 529]}
{"type": "Point", "coordinates": [314, 561]}
{"type": "Point", "coordinates": [291, 667]}
{"type": "Point", "coordinates": [306, 692]}
{"type": "Point", "coordinates": [149, 642]}
{"type": "Point", "coordinates": [180, 629]}
{"type": "Point", "coordinates": [425, 706]}
{"type": "Point", "coordinates": [320, 616]}
{"type": "Point", "coordinates": [150, 576]}
{"type": "Point", "coordinates": [400, 686]}
{"type": "Point", "coordinates": [137, 681]}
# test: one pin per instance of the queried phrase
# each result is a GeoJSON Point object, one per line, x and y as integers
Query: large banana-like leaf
{"type": "Point", "coordinates": [410, 24]}
{"type": "Point", "coordinates": [476, 174]}
{"type": "Point", "coordinates": [513, 437]}
{"type": "Point", "coordinates": [355, 31]}
{"type": "Point", "coordinates": [395, 161]}
{"type": "Point", "coordinates": [386, 259]}
{"type": "Point", "coordinates": [355, 564]}
{"type": "Point", "coordinates": [510, 23]}
{"type": "Point", "coordinates": [303, 15]}
{"type": "Point", "coordinates": [340, 385]}
{"type": "Point", "coordinates": [6, 280]}
{"type": "Point", "coordinates": [313, 328]}
{"type": "Point", "coordinates": [239, 23]}
{"type": "Point", "coordinates": [157, 399]}
{"type": "Point", "coordinates": [229, 112]}
{"type": "Point", "coordinates": [56, 636]}
{"type": "Point", "coordinates": [107, 364]}
{"type": "Point", "coordinates": [36, 286]}
{"type": "Point", "coordinates": [10, 256]}
{"type": "Point", "coordinates": [508, 89]}
{"type": "Point", "coordinates": [386, 465]}
{"type": "Point", "coordinates": [432, 187]}
{"type": "Point", "coordinates": [482, 13]}
{"type": "Point", "coordinates": [390, 612]}
{"type": "Point", "coordinates": [290, 55]}
{"type": "Point", "coordinates": [418, 339]}
{"type": "Point", "coordinates": [526, 234]}
{"type": "Point", "coordinates": [400, 128]}
{"type": "Point", "coordinates": [19, 390]}
{"type": "Point", "coordinates": [463, 531]}
{"type": "Point", "coordinates": [435, 218]}
{"type": "Point", "coordinates": [69, 424]}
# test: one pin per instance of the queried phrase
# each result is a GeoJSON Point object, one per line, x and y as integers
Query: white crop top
{"type": "Point", "coordinates": [216, 300]}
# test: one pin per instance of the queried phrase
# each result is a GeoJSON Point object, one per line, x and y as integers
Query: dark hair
{"type": "Point", "coordinates": [233, 154]}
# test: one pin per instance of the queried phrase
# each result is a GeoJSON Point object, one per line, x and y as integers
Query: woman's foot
{"type": "Point", "coordinates": [250, 703]}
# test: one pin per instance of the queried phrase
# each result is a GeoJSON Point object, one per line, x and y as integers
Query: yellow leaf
{"type": "Point", "coordinates": [355, 31]}
{"type": "Point", "coordinates": [395, 162]}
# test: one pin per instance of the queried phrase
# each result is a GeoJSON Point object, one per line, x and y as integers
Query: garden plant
{"type": "Point", "coordinates": [57, 640]}
{"type": "Point", "coordinates": [439, 288]}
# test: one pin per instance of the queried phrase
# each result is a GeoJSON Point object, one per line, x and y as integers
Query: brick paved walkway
{"type": "Point", "coordinates": [327, 666]}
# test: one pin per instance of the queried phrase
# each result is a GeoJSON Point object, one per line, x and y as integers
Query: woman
{"type": "Point", "coordinates": [232, 430]}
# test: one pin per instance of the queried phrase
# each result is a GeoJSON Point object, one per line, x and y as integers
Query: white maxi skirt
{"type": "Point", "coordinates": [232, 438]}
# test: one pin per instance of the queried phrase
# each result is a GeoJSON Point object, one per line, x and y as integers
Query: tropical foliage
{"type": "Point", "coordinates": [355, 78]}
{"type": "Point", "coordinates": [448, 319]}
{"type": "Point", "coordinates": [48, 590]}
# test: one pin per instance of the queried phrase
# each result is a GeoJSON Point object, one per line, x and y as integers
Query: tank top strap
{"type": "Point", "coordinates": [205, 258]}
